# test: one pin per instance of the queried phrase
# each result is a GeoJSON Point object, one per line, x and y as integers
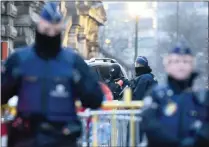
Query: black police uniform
{"type": "Point", "coordinates": [47, 78]}
{"type": "Point", "coordinates": [141, 84]}
{"type": "Point", "coordinates": [172, 114]}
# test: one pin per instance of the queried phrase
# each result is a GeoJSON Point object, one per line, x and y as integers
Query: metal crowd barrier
{"type": "Point", "coordinates": [117, 125]}
{"type": "Point", "coordinates": [111, 128]}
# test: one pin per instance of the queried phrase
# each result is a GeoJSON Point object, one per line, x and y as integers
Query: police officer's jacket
{"type": "Point", "coordinates": [172, 116]}
{"type": "Point", "coordinates": [49, 87]}
{"type": "Point", "coordinates": [141, 84]}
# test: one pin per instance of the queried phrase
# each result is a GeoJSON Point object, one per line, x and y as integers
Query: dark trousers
{"type": "Point", "coordinates": [41, 140]}
{"type": "Point", "coordinates": [26, 138]}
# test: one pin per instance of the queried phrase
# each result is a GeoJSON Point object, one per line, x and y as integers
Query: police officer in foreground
{"type": "Point", "coordinates": [117, 83]}
{"type": "Point", "coordinates": [173, 114]}
{"type": "Point", "coordinates": [144, 78]}
{"type": "Point", "coordinates": [47, 77]}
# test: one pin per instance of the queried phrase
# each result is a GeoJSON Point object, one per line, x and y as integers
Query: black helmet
{"type": "Point", "coordinates": [115, 71]}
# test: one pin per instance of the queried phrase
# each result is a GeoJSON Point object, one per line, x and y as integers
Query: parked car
{"type": "Point", "coordinates": [102, 67]}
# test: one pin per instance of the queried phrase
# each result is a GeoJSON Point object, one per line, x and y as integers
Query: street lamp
{"type": "Point", "coordinates": [108, 42]}
{"type": "Point", "coordinates": [136, 9]}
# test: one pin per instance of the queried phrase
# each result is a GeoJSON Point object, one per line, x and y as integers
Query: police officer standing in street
{"type": "Point", "coordinates": [173, 114]}
{"type": "Point", "coordinates": [47, 77]}
{"type": "Point", "coordinates": [144, 78]}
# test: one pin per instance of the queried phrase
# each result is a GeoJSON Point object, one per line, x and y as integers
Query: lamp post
{"type": "Point", "coordinates": [208, 49]}
{"type": "Point", "coordinates": [136, 9]}
{"type": "Point", "coordinates": [136, 36]}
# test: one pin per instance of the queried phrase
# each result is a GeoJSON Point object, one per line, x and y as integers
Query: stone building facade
{"type": "Point", "coordinates": [82, 21]}
{"type": "Point", "coordinates": [23, 22]}
{"type": "Point", "coordinates": [8, 16]}
{"type": "Point", "coordinates": [86, 17]}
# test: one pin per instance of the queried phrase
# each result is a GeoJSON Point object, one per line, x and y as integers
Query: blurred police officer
{"type": "Point", "coordinates": [117, 83]}
{"type": "Point", "coordinates": [47, 77]}
{"type": "Point", "coordinates": [173, 114]}
{"type": "Point", "coordinates": [144, 78]}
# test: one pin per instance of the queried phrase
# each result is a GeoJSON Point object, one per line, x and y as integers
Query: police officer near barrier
{"type": "Point", "coordinates": [173, 114]}
{"type": "Point", "coordinates": [47, 77]}
{"type": "Point", "coordinates": [144, 78]}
